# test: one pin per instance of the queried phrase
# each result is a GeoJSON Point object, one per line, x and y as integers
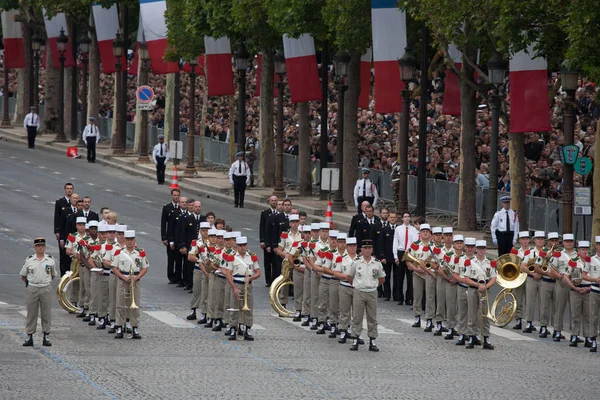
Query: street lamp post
{"type": "Point", "coordinates": [143, 148]}
{"type": "Point", "coordinates": [241, 64]}
{"type": "Point", "coordinates": [37, 44]}
{"type": "Point", "coordinates": [190, 169]}
{"type": "Point", "coordinates": [117, 143]}
{"type": "Point", "coordinates": [5, 119]}
{"type": "Point", "coordinates": [61, 43]}
{"type": "Point", "coordinates": [497, 67]}
{"type": "Point", "coordinates": [280, 70]}
{"type": "Point", "coordinates": [84, 50]}
{"type": "Point", "coordinates": [340, 62]}
{"type": "Point", "coordinates": [408, 68]}
{"type": "Point", "coordinates": [568, 80]}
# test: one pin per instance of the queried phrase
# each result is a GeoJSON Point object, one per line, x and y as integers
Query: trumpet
{"type": "Point", "coordinates": [544, 267]}
{"type": "Point", "coordinates": [530, 265]}
{"type": "Point", "coordinates": [131, 294]}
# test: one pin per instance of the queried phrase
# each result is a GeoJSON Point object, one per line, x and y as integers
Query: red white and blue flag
{"type": "Point", "coordinates": [106, 21]}
{"type": "Point", "coordinates": [14, 51]}
{"type": "Point", "coordinates": [53, 28]}
{"type": "Point", "coordinates": [152, 16]}
{"type": "Point", "coordinates": [365, 79]}
{"type": "Point", "coordinates": [451, 104]}
{"type": "Point", "coordinates": [302, 69]}
{"type": "Point", "coordinates": [219, 66]}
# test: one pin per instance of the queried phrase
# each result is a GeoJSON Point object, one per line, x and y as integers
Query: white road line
{"type": "Point", "coordinates": [381, 329]}
{"type": "Point", "coordinates": [41, 167]}
{"type": "Point", "coordinates": [91, 184]}
{"type": "Point", "coordinates": [35, 196]}
{"type": "Point", "coordinates": [13, 157]}
{"type": "Point", "coordinates": [147, 201]}
{"type": "Point", "coordinates": [247, 229]}
{"type": "Point", "coordinates": [505, 333]}
{"type": "Point", "coordinates": [128, 195]}
{"type": "Point", "coordinates": [26, 162]}
{"type": "Point", "coordinates": [49, 202]}
{"type": "Point", "coordinates": [3, 303]}
{"type": "Point", "coordinates": [56, 172]}
{"type": "Point", "coordinates": [73, 178]}
{"type": "Point", "coordinates": [170, 319]}
{"type": "Point", "coordinates": [108, 190]}
{"type": "Point", "coordinates": [18, 190]}
{"type": "Point", "coordinates": [142, 233]}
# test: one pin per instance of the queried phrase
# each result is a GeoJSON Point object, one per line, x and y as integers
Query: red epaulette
{"type": "Point", "coordinates": [527, 252]}
{"type": "Point", "coordinates": [219, 251]}
{"type": "Point", "coordinates": [329, 255]}
{"type": "Point", "coordinates": [543, 254]}
{"type": "Point", "coordinates": [211, 249]}
{"type": "Point", "coordinates": [254, 258]}
{"type": "Point", "coordinates": [82, 242]}
{"type": "Point", "coordinates": [321, 254]}
{"type": "Point", "coordinates": [456, 259]}
{"type": "Point", "coordinates": [117, 252]}
{"type": "Point", "coordinates": [414, 246]}
{"type": "Point", "coordinates": [312, 245]}
{"type": "Point", "coordinates": [447, 258]}
{"type": "Point", "coordinates": [229, 258]}
{"type": "Point", "coordinates": [295, 244]}
{"type": "Point", "coordinates": [143, 253]}
{"type": "Point", "coordinates": [98, 247]}
{"type": "Point", "coordinates": [338, 259]}
{"type": "Point", "coordinates": [71, 238]}
{"type": "Point", "coordinates": [493, 263]}
{"type": "Point", "coordinates": [467, 263]}
{"type": "Point", "coordinates": [588, 259]}
{"type": "Point", "coordinates": [437, 250]}
{"type": "Point", "coordinates": [556, 254]}
{"type": "Point", "coordinates": [108, 247]}
{"type": "Point", "coordinates": [284, 235]}
{"type": "Point", "coordinates": [425, 249]}
{"type": "Point", "coordinates": [305, 244]}
{"type": "Point", "coordinates": [194, 242]}
{"type": "Point", "coordinates": [514, 251]}
{"type": "Point", "coordinates": [572, 263]}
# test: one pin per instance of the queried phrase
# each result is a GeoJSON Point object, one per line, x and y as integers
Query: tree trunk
{"type": "Point", "coordinates": [467, 218]}
{"type": "Point", "coordinates": [22, 106]}
{"type": "Point", "coordinates": [202, 81]}
{"type": "Point", "coordinates": [116, 113]}
{"type": "Point", "coordinates": [304, 171]}
{"type": "Point", "coordinates": [169, 107]}
{"type": "Point", "coordinates": [351, 127]}
{"type": "Point", "coordinates": [596, 187]}
{"type": "Point", "coordinates": [232, 135]}
{"type": "Point", "coordinates": [50, 96]}
{"type": "Point", "coordinates": [516, 154]}
{"type": "Point", "coordinates": [138, 115]}
{"type": "Point", "coordinates": [67, 95]}
{"type": "Point", "coordinates": [94, 75]}
{"type": "Point", "coordinates": [266, 170]}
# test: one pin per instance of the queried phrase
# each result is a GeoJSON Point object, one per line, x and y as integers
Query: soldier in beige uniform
{"type": "Point", "coordinates": [366, 275]}
{"type": "Point", "coordinates": [102, 290]}
{"type": "Point", "coordinates": [548, 285]}
{"type": "Point", "coordinates": [519, 292]}
{"type": "Point", "coordinates": [431, 279]}
{"type": "Point", "coordinates": [126, 261]}
{"type": "Point", "coordinates": [197, 255]}
{"type": "Point", "coordinates": [443, 254]}
{"type": "Point", "coordinates": [460, 274]}
{"type": "Point", "coordinates": [90, 253]}
{"type": "Point", "coordinates": [108, 261]}
{"type": "Point", "coordinates": [346, 291]}
{"type": "Point", "coordinates": [480, 276]}
{"type": "Point", "coordinates": [289, 248]}
{"type": "Point", "coordinates": [323, 266]}
{"type": "Point", "coordinates": [212, 257]}
{"type": "Point", "coordinates": [242, 268]}
{"type": "Point", "coordinates": [73, 247]}
{"type": "Point", "coordinates": [37, 273]}
{"type": "Point", "coordinates": [220, 280]}
{"type": "Point", "coordinates": [534, 279]}
{"type": "Point", "coordinates": [334, 286]}
{"type": "Point", "coordinates": [321, 246]}
{"type": "Point", "coordinates": [420, 249]}
{"type": "Point", "coordinates": [307, 257]}
{"type": "Point", "coordinates": [593, 276]}
{"type": "Point", "coordinates": [560, 261]}
{"type": "Point", "coordinates": [451, 286]}
{"type": "Point", "coordinates": [579, 295]}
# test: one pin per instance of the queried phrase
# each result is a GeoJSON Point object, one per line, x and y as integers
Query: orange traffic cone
{"type": "Point", "coordinates": [329, 215]}
{"type": "Point", "coordinates": [174, 183]}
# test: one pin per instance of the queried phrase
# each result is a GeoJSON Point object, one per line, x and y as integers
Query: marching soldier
{"type": "Point", "coordinates": [74, 247]}
{"type": "Point", "coordinates": [289, 249]}
{"type": "Point", "coordinates": [452, 286]}
{"type": "Point", "coordinates": [242, 269]}
{"type": "Point", "coordinates": [215, 253]}
{"type": "Point", "coordinates": [444, 255]}
{"type": "Point", "coordinates": [91, 251]}
{"type": "Point", "coordinates": [532, 287]}
{"type": "Point", "coordinates": [593, 276]}
{"type": "Point", "coordinates": [346, 290]}
{"type": "Point", "coordinates": [321, 247]}
{"type": "Point", "coordinates": [160, 156]}
{"type": "Point", "coordinates": [323, 266]}
{"type": "Point", "coordinates": [365, 274]}
{"type": "Point", "coordinates": [101, 291]}
{"type": "Point", "coordinates": [37, 273]}
{"type": "Point", "coordinates": [365, 190]}
{"type": "Point", "coordinates": [460, 274]}
{"type": "Point", "coordinates": [217, 299]}
{"type": "Point", "coordinates": [547, 287]}
{"type": "Point", "coordinates": [420, 249]}
{"type": "Point", "coordinates": [197, 255]}
{"type": "Point", "coordinates": [164, 229]}
{"type": "Point", "coordinates": [96, 271]}
{"type": "Point", "coordinates": [560, 261]}
{"type": "Point", "coordinates": [212, 257]}
{"type": "Point", "coordinates": [334, 285]}
{"type": "Point", "coordinates": [504, 226]}
{"type": "Point", "coordinates": [130, 264]}
{"type": "Point", "coordinates": [579, 295]}
{"type": "Point", "coordinates": [521, 250]}
{"type": "Point", "coordinates": [307, 258]}
{"type": "Point", "coordinates": [239, 177]}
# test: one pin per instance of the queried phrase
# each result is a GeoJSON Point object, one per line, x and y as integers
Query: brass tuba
{"type": "Point", "coordinates": [62, 290]}
{"type": "Point", "coordinates": [510, 277]}
{"type": "Point", "coordinates": [409, 257]}
{"type": "Point", "coordinates": [282, 281]}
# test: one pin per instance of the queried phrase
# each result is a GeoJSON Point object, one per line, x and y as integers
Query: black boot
{"type": "Point", "coordinates": [218, 325]}
{"type": "Point", "coordinates": [573, 341]}
{"type": "Point", "coordinates": [372, 346]}
{"type": "Point", "coordinates": [232, 333]}
{"type": "Point", "coordinates": [112, 326]}
{"type": "Point", "coordinates": [354, 345]}
{"type": "Point", "coordinates": [543, 332]}
{"type": "Point", "coordinates": [594, 345]}
{"type": "Point", "coordinates": [202, 320]}
{"type": "Point", "coordinates": [136, 333]}
{"type": "Point", "coordinates": [191, 316]}
{"type": "Point", "coordinates": [518, 324]}
{"type": "Point", "coordinates": [46, 340]}
{"type": "Point", "coordinates": [450, 334]}
{"type": "Point", "coordinates": [438, 329]}
{"type": "Point", "coordinates": [314, 323]}
{"type": "Point", "coordinates": [417, 323]}
{"type": "Point", "coordinates": [87, 317]}
{"type": "Point", "coordinates": [556, 336]}
{"type": "Point", "coordinates": [297, 317]}
{"type": "Point", "coordinates": [476, 340]}
{"type": "Point", "coordinates": [360, 341]}
{"type": "Point", "coordinates": [321, 330]}
{"type": "Point", "coordinates": [227, 330]}
{"type": "Point", "coordinates": [29, 341]}
{"type": "Point", "coordinates": [428, 326]}
{"type": "Point", "coordinates": [343, 336]}
{"type": "Point", "coordinates": [119, 334]}
{"type": "Point", "coordinates": [305, 321]}
{"type": "Point", "coordinates": [588, 343]}
{"type": "Point", "coordinates": [248, 334]}
{"type": "Point", "coordinates": [461, 340]}
{"type": "Point", "coordinates": [471, 343]}
{"type": "Point", "coordinates": [101, 323]}
{"type": "Point", "coordinates": [209, 323]}
{"type": "Point", "coordinates": [92, 320]}
{"type": "Point", "coordinates": [333, 332]}
{"type": "Point", "coordinates": [486, 343]}
{"type": "Point", "coordinates": [81, 314]}
{"type": "Point", "coordinates": [528, 328]}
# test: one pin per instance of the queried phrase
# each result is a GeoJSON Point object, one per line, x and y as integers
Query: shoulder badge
{"type": "Point", "coordinates": [142, 252]}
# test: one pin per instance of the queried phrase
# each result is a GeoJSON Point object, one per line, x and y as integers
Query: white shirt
{"type": "Point", "coordinates": [400, 238]}
{"type": "Point", "coordinates": [31, 119]}
{"type": "Point", "coordinates": [235, 170]}
{"type": "Point", "coordinates": [156, 152]}
{"type": "Point", "coordinates": [364, 187]}
{"type": "Point", "coordinates": [499, 223]}
{"type": "Point", "coordinates": [90, 130]}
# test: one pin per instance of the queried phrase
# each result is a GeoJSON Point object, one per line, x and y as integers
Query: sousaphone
{"type": "Point", "coordinates": [510, 277]}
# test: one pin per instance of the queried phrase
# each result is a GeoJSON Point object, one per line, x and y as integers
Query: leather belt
{"type": "Point", "coordinates": [545, 279]}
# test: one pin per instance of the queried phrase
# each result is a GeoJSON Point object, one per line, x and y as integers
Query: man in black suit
{"type": "Point", "coordinates": [89, 214]}
{"type": "Point", "coordinates": [187, 231]}
{"type": "Point", "coordinates": [269, 254]}
{"type": "Point", "coordinates": [62, 204]}
{"type": "Point", "coordinates": [386, 252]}
{"type": "Point", "coordinates": [177, 217]}
{"type": "Point", "coordinates": [164, 227]}
{"type": "Point", "coordinates": [276, 224]}
{"type": "Point", "coordinates": [369, 227]}
{"type": "Point", "coordinates": [355, 218]}
{"type": "Point", "coordinates": [69, 216]}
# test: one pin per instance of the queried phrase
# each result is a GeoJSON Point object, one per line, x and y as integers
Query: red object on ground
{"type": "Point", "coordinates": [72, 152]}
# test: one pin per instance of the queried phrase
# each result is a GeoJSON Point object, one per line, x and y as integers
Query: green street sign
{"type": "Point", "coordinates": [570, 154]}
{"type": "Point", "coordinates": [583, 166]}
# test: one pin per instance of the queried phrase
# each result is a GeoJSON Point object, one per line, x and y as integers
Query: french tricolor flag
{"type": "Point", "coordinates": [365, 78]}
{"type": "Point", "coordinates": [14, 51]}
{"type": "Point", "coordinates": [198, 70]}
{"type": "Point", "coordinates": [107, 25]}
{"type": "Point", "coordinates": [529, 108]}
{"type": "Point", "coordinates": [451, 104]}
{"type": "Point", "coordinates": [53, 28]}
{"type": "Point", "coordinates": [219, 66]}
{"type": "Point", "coordinates": [152, 14]}
{"type": "Point", "coordinates": [389, 42]}
{"type": "Point", "coordinates": [302, 69]}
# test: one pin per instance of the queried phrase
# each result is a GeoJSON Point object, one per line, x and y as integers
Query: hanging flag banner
{"type": "Point", "coordinates": [53, 27]}
{"type": "Point", "coordinates": [152, 16]}
{"type": "Point", "coordinates": [219, 66]}
{"type": "Point", "coordinates": [14, 51]}
{"type": "Point", "coordinates": [106, 21]}
{"type": "Point", "coordinates": [302, 69]}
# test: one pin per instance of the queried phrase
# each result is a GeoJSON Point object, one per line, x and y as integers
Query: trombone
{"type": "Point", "coordinates": [245, 304]}
{"type": "Point", "coordinates": [129, 293]}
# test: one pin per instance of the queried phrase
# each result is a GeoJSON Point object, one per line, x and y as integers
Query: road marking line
{"type": "Point", "coordinates": [13, 157]}
{"type": "Point", "coordinates": [3, 303]}
{"type": "Point", "coordinates": [24, 313]}
{"type": "Point", "coordinates": [147, 201]}
{"type": "Point", "coordinates": [142, 233]}
{"type": "Point", "coordinates": [505, 333]}
{"type": "Point", "coordinates": [57, 173]}
{"type": "Point", "coordinates": [247, 229]}
{"type": "Point", "coordinates": [35, 196]}
{"type": "Point", "coordinates": [108, 190]}
{"type": "Point", "coordinates": [73, 178]}
{"type": "Point", "coordinates": [18, 190]}
{"type": "Point", "coordinates": [169, 319]}
{"type": "Point", "coordinates": [41, 167]}
{"type": "Point", "coordinates": [49, 202]}
{"type": "Point", "coordinates": [381, 329]}
{"type": "Point", "coordinates": [26, 162]}
{"type": "Point", "coordinates": [128, 195]}
{"type": "Point", "coordinates": [91, 184]}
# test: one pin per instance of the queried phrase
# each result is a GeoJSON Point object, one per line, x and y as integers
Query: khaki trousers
{"type": "Point", "coordinates": [547, 298]}
{"type": "Point", "coordinates": [112, 296]}
{"type": "Point", "coordinates": [463, 310]}
{"type": "Point", "coordinates": [561, 291]}
{"type": "Point", "coordinates": [315, 282]}
{"type": "Point", "coordinates": [74, 295]}
{"type": "Point", "coordinates": [93, 290]}
{"type": "Point", "coordinates": [246, 317]}
{"type": "Point", "coordinates": [218, 296]}
{"type": "Point", "coordinates": [204, 293]}
{"type": "Point", "coordinates": [306, 292]}
{"type": "Point", "coordinates": [594, 310]}
{"type": "Point", "coordinates": [418, 292]}
{"type": "Point", "coordinates": [346, 295]}
{"type": "Point", "coordinates": [101, 294]}
{"type": "Point", "coordinates": [210, 298]}
{"type": "Point", "coordinates": [226, 297]}
{"type": "Point", "coordinates": [475, 317]}
{"type": "Point", "coordinates": [521, 300]}
{"type": "Point", "coordinates": [196, 289]}
{"type": "Point", "coordinates": [440, 308]}
{"type": "Point", "coordinates": [324, 310]}
{"type": "Point", "coordinates": [123, 304]}
{"type": "Point", "coordinates": [580, 314]}
{"type": "Point", "coordinates": [38, 298]}
{"type": "Point", "coordinates": [532, 290]}
{"type": "Point", "coordinates": [298, 290]}
{"type": "Point", "coordinates": [451, 305]}
{"type": "Point", "coordinates": [430, 290]}
{"type": "Point", "coordinates": [361, 302]}
{"type": "Point", "coordinates": [84, 287]}
{"type": "Point", "coordinates": [334, 301]}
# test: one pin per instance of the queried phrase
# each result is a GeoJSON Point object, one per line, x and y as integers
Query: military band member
{"type": "Point", "coordinates": [431, 279]}
{"type": "Point", "coordinates": [404, 236]}
{"type": "Point", "coordinates": [128, 260]}
{"type": "Point", "coordinates": [460, 274]}
{"type": "Point", "coordinates": [366, 275]}
{"type": "Point", "coordinates": [504, 227]}
{"type": "Point", "coordinates": [197, 255]}
{"type": "Point", "coordinates": [579, 294]}
{"type": "Point", "coordinates": [37, 273]}
{"type": "Point", "coordinates": [346, 291]}
{"type": "Point", "coordinates": [321, 246]}
{"type": "Point", "coordinates": [548, 285]}
{"type": "Point", "coordinates": [94, 245]}
{"type": "Point", "coordinates": [212, 258]}
{"type": "Point", "coordinates": [444, 254]}
{"type": "Point", "coordinates": [534, 278]}
{"type": "Point", "coordinates": [289, 249]}
{"type": "Point", "coordinates": [593, 276]}
{"type": "Point", "coordinates": [217, 299]}
{"type": "Point", "coordinates": [560, 261]}
{"type": "Point", "coordinates": [215, 263]}
{"type": "Point", "coordinates": [521, 250]}
{"type": "Point", "coordinates": [307, 255]}
{"type": "Point", "coordinates": [242, 269]}
{"type": "Point", "coordinates": [101, 291]}
{"type": "Point", "coordinates": [334, 286]}
{"type": "Point", "coordinates": [452, 285]}
{"type": "Point", "coordinates": [109, 261]}
{"type": "Point", "coordinates": [74, 246]}
{"type": "Point", "coordinates": [420, 249]}
{"type": "Point", "coordinates": [323, 266]}
{"type": "Point", "coordinates": [480, 276]}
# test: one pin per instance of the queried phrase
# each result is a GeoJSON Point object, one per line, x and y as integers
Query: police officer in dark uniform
{"type": "Point", "coordinates": [239, 177]}
{"type": "Point", "coordinates": [164, 228]}
{"type": "Point", "coordinates": [504, 227]}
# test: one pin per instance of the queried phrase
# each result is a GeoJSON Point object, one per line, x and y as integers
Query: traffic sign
{"type": "Point", "coordinates": [144, 94]}
{"type": "Point", "coordinates": [145, 107]}
{"type": "Point", "coordinates": [330, 179]}
{"type": "Point", "coordinates": [570, 154]}
{"type": "Point", "coordinates": [583, 166]}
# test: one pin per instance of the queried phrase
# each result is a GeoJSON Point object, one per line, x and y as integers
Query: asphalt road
{"type": "Point", "coordinates": [176, 359]}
